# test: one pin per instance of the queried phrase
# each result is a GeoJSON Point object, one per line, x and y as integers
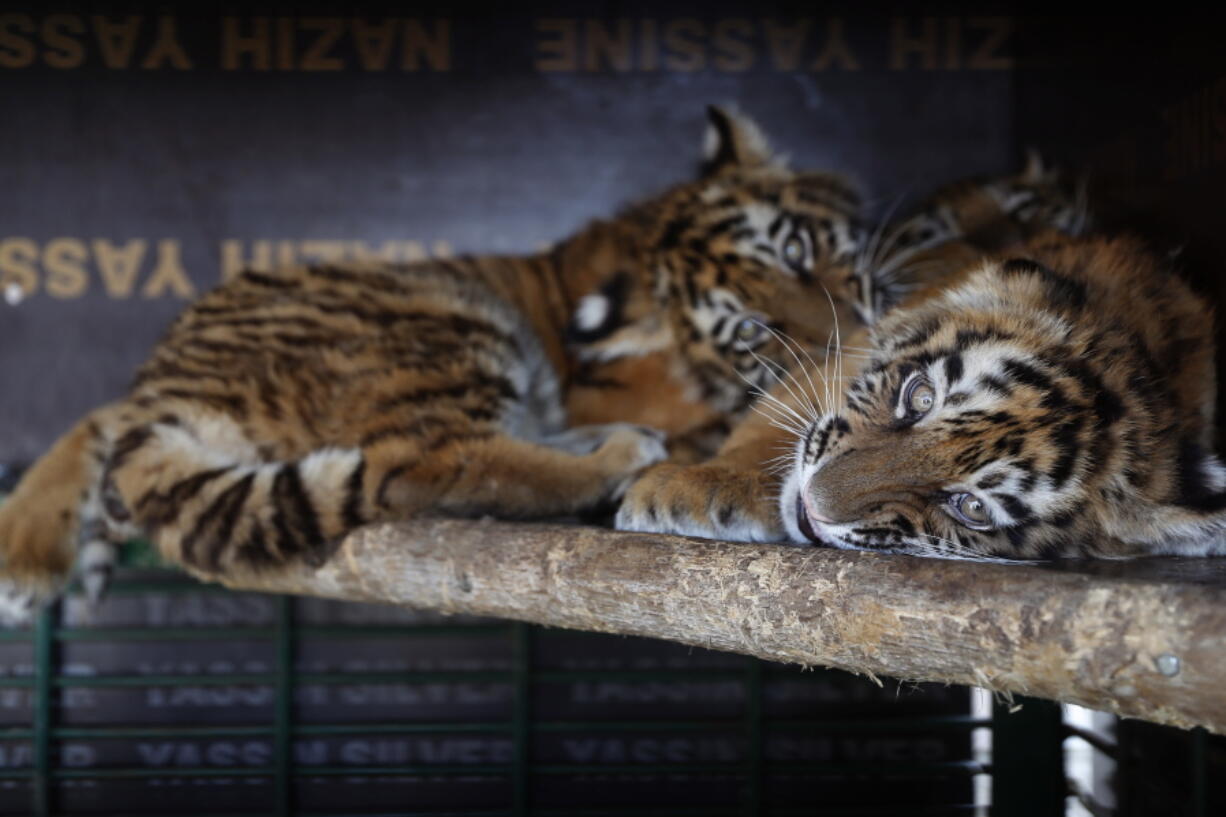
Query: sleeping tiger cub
{"type": "Point", "coordinates": [285, 408]}
{"type": "Point", "coordinates": [750, 250]}
{"type": "Point", "coordinates": [734, 495]}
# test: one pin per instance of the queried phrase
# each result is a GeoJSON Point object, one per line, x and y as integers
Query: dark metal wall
{"type": "Point", "coordinates": [1138, 104]}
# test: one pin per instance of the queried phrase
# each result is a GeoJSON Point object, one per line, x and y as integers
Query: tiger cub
{"type": "Point", "coordinates": [944, 235]}
{"type": "Point", "coordinates": [285, 408]}
{"type": "Point", "coordinates": [1058, 402]}
{"type": "Point", "coordinates": [734, 495]}
{"type": "Point", "coordinates": [751, 250]}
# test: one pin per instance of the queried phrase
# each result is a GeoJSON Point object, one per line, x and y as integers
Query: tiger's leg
{"type": "Point", "coordinates": [511, 478]}
{"type": "Point", "coordinates": [199, 491]}
{"type": "Point", "coordinates": [54, 519]}
{"type": "Point", "coordinates": [586, 439]}
{"type": "Point", "coordinates": [733, 495]}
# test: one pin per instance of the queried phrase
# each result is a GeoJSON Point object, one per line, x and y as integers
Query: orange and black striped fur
{"type": "Point", "coordinates": [943, 236]}
{"type": "Point", "coordinates": [285, 408]}
{"type": "Point", "coordinates": [735, 494]}
{"type": "Point", "coordinates": [1058, 402]}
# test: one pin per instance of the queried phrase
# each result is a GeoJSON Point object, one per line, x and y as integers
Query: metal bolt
{"type": "Point", "coordinates": [1167, 664]}
{"type": "Point", "coordinates": [14, 294]}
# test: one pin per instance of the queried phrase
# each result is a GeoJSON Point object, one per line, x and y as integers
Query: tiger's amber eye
{"type": "Point", "coordinates": [921, 398]}
{"type": "Point", "coordinates": [973, 510]}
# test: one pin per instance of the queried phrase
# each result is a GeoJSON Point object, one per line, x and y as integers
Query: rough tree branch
{"type": "Point", "coordinates": [1144, 646]}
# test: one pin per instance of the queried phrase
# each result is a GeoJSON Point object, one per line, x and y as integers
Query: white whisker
{"type": "Point", "coordinates": [838, 360]}
{"type": "Point", "coordinates": [809, 401]}
{"type": "Point", "coordinates": [938, 547]}
{"type": "Point", "coordinates": [755, 389]}
{"type": "Point", "coordinates": [782, 375]}
{"type": "Point", "coordinates": [875, 241]}
{"type": "Point", "coordinates": [784, 341]}
{"type": "Point", "coordinates": [781, 423]}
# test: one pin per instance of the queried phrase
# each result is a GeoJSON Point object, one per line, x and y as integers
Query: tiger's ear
{"type": "Point", "coordinates": [1035, 172]}
{"type": "Point", "coordinates": [734, 141]}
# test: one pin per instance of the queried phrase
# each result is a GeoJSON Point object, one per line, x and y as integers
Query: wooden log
{"type": "Point", "coordinates": [1135, 641]}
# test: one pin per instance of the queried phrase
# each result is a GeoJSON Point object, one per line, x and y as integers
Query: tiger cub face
{"type": "Point", "coordinates": [749, 252]}
{"type": "Point", "coordinates": [1032, 411]}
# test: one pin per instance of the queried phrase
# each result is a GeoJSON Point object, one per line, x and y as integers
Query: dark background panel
{"type": "Point", "coordinates": [1137, 105]}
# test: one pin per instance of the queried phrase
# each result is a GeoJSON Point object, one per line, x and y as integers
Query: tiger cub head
{"type": "Point", "coordinates": [1032, 411]}
{"type": "Point", "coordinates": [904, 259]}
{"type": "Point", "coordinates": [728, 264]}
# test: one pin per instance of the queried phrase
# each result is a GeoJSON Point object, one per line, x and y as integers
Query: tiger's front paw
{"type": "Point", "coordinates": [36, 553]}
{"type": "Point", "coordinates": [710, 501]}
{"type": "Point", "coordinates": [629, 450]}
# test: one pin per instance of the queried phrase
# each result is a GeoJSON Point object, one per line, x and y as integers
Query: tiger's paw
{"type": "Point", "coordinates": [18, 603]}
{"type": "Point", "coordinates": [22, 597]}
{"type": "Point", "coordinates": [580, 440]}
{"type": "Point", "coordinates": [626, 452]}
{"type": "Point", "coordinates": [710, 501]}
{"type": "Point", "coordinates": [36, 554]}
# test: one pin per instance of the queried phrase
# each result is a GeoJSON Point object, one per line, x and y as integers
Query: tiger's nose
{"type": "Point", "coordinates": [831, 498]}
{"type": "Point", "coordinates": [811, 505]}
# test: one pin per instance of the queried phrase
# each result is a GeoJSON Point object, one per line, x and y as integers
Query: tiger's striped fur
{"type": "Point", "coordinates": [283, 409]}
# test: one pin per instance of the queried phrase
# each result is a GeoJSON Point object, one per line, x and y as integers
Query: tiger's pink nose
{"type": "Point", "coordinates": [813, 514]}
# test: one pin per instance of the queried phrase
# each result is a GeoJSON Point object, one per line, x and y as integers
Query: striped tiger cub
{"type": "Point", "coordinates": [906, 261]}
{"type": "Point", "coordinates": [286, 408]}
{"type": "Point", "coordinates": [751, 250]}
{"type": "Point", "coordinates": [1057, 402]}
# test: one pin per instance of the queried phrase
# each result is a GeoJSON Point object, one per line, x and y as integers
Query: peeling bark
{"type": "Point", "coordinates": [1134, 641]}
